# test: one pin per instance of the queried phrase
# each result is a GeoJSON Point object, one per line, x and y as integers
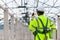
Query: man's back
{"type": "Point", "coordinates": [34, 24]}
{"type": "Point", "coordinates": [44, 20]}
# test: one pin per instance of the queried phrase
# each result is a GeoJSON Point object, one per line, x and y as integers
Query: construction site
{"type": "Point", "coordinates": [16, 14]}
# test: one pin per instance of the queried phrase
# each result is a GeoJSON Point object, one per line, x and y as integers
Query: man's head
{"type": "Point", "coordinates": [40, 12]}
{"type": "Point", "coordinates": [40, 9]}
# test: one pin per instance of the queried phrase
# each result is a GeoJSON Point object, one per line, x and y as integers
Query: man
{"type": "Point", "coordinates": [41, 26]}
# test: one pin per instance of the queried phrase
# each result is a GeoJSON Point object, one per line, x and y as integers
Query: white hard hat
{"type": "Point", "coordinates": [40, 7]}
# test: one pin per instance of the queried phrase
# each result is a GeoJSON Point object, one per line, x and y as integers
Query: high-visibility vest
{"type": "Point", "coordinates": [44, 28]}
{"type": "Point", "coordinates": [35, 24]}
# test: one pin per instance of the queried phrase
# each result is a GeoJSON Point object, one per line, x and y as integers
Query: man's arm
{"type": "Point", "coordinates": [52, 26]}
{"type": "Point", "coordinates": [32, 25]}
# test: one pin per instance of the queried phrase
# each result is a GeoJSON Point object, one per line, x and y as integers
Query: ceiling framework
{"type": "Point", "coordinates": [20, 8]}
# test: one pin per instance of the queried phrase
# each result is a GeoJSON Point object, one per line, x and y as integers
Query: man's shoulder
{"type": "Point", "coordinates": [34, 19]}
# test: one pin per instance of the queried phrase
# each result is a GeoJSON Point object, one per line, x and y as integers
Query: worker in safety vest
{"type": "Point", "coordinates": [41, 26]}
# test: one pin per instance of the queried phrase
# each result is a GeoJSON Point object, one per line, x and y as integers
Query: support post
{"type": "Point", "coordinates": [6, 25]}
{"type": "Point", "coordinates": [12, 28]}
{"type": "Point", "coordinates": [58, 28]}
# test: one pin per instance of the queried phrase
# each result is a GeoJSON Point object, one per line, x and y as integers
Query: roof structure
{"type": "Point", "coordinates": [20, 7]}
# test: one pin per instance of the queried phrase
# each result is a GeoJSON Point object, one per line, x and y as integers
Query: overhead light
{"type": "Point", "coordinates": [21, 7]}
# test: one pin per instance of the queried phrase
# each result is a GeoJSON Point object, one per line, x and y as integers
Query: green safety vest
{"type": "Point", "coordinates": [44, 27]}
